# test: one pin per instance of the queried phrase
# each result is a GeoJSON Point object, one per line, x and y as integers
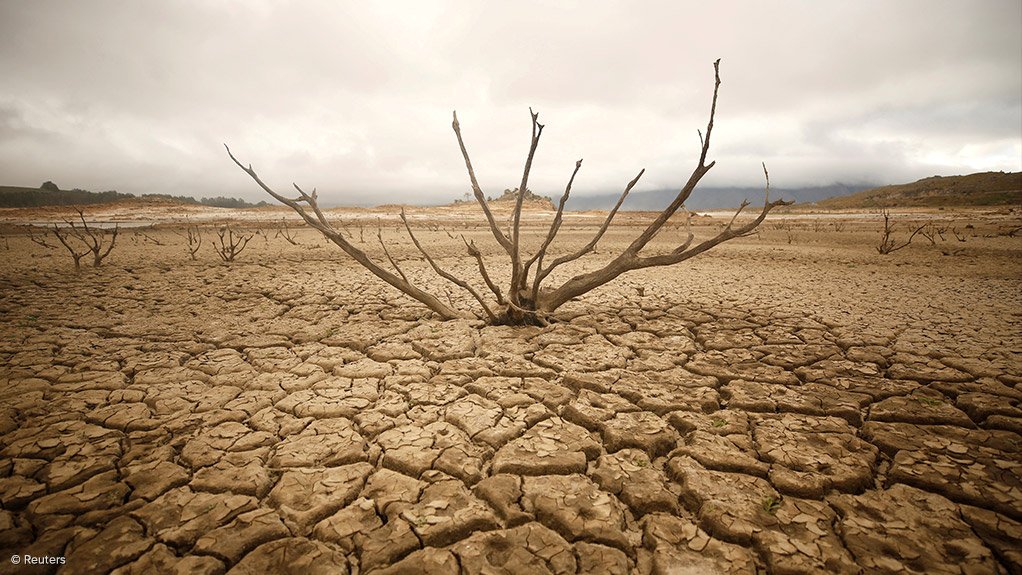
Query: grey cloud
{"type": "Point", "coordinates": [356, 98]}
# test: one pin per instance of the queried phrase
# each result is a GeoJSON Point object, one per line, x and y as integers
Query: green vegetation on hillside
{"type": "Point", "coordinates": [982, 189]}
{"type": "Point", "coordinates": [50, 195]}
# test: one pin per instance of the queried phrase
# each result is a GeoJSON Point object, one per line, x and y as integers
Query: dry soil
{"type": "Point", "coordinates": [791, 402]}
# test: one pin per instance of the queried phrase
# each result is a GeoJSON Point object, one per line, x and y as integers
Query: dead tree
{"type": "Point", "coordinates": [194, 241]}
{"type": "Point", "coordinates": [229, 245]}
{"type": "Point", "coordinates": [931, 232]}
{"type": "Point", "coordinates": [194, 238]}
{"type": "Point", "coordinates": [148, 238]}
{"type": "Point", "coordinates": [80, 241]}
{"type": "Point", "coordinates": [77, 251]}
{"type": "Point", "coordinates": [40, 240]}
{"type": "Point", "coordinates": [526, 301]}
{"type": "Point", "coordinates": [286, 233]}
{"type": "Point", "coordinates": [887, 243]}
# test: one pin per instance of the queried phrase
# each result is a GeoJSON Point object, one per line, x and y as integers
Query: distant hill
{"type": "Point", "coordinates": [709, 198]}
{"type": "Point", "coordinates": [19, 197]}
{"type": "Point", "coordinates": [983, 189]}
{"type": "Point", "coordinates": [510, 196]}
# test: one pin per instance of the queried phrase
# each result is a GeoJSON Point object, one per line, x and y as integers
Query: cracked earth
{"type": "Point", "coordinates": [765, 408]}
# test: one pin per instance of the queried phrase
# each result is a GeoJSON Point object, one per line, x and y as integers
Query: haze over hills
{"type": "Point", "coordinates": [982, 189]}
{"type": "Point", "coordinates": [709, 198]}
{"type": "Point", "coordinates": [702, 199]}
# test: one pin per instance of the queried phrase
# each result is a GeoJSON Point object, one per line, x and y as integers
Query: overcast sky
{"type": "Point", "coordinates": [355, 98]}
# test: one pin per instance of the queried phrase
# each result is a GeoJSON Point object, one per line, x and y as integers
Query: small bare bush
{"type": "Point", "coordinates": [40, 240]}
{"type": "Point", "coordinates": [229, 244]}
{"type": "Point", "coordinates": [148, 238]}
{"type": "Point", "coordinates": [285, 232]}
{"type": "Point", "coordinates": [887, 243]}
{"type": "Point", "coordinates": [80, 240]}
{"type": "Point", "coordinates": [193, 236]}
{"type": "Point", "coordinates": [931, 232]}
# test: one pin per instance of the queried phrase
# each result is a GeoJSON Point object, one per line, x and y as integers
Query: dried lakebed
{"type": "Point", "coordinates": [290, 414]}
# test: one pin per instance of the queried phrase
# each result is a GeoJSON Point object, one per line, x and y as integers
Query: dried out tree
{"type": "Point", "coordinates": [148, 238]}
{"type": "Point", "coordinates": [285, 232]}
{"type": "Point", "coordinates": [40, 240]}
{"type": "Point", "coordinates": [77, 251]}
{"type": "Point", "coordinates": [887, 242]}
{"type": "Point", "coordinates": [229, 244]}
{"type": "Point", "coordinates": [526, 300]}
{"type": "Point", "coordinates": [193, 236]}
{"type": "Point", "coordinates": [80, 241]}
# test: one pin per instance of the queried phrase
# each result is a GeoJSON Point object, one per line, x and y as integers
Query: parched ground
{"type": "Point", "coordinates": [788, 403]}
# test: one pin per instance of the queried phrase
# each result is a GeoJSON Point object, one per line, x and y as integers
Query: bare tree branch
{"type": "Point", "coordinates": [285, 232]}
{"type": "Point", "coordinates": [40, 240]}
{"type": "Point", "coordinates": [517, 270]}
{"type": "Point", "coordinates": [629, 261]}
{"type": "Point", "coordinates": [447, 276]}
{"type": "Point", "coordinates": [113, 239]}
{"type": "Point", "coordinates": [502, 239]}
{"type": "Point", "coordinates": [697, 174]}
{"type": "Point", "coordinates": [93, 240]}
{"type": "Point", "coordinates": [887, 243]}
{"type": "Point", "coordinates": [386, 252]}
{"type": "Point", "coordinates": [474, 252]}
{"type": "Point", "coordinates": [194, 241]}
{"type": "Point", "coordinates": [542, 274]}
{"type": "Point", "coordinates": [229, 246]}
{"type": "Point", "coordinates": [555, 225]}
{"type": "Point", "coordinates": [77, 256]}
{"type": "Point", "coordinates": [321, 224]}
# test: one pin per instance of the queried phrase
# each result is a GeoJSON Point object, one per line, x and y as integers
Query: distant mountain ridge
{"type": "Point", "coordinates": [981, 189]}
{"type": "Point", "coordinates": [986, 188]}
{"type": "Point", "coordinates": [710, 198]}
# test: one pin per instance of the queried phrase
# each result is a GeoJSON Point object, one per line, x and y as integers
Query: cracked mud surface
{"type": "Point", "coordinates": [765, 408]}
